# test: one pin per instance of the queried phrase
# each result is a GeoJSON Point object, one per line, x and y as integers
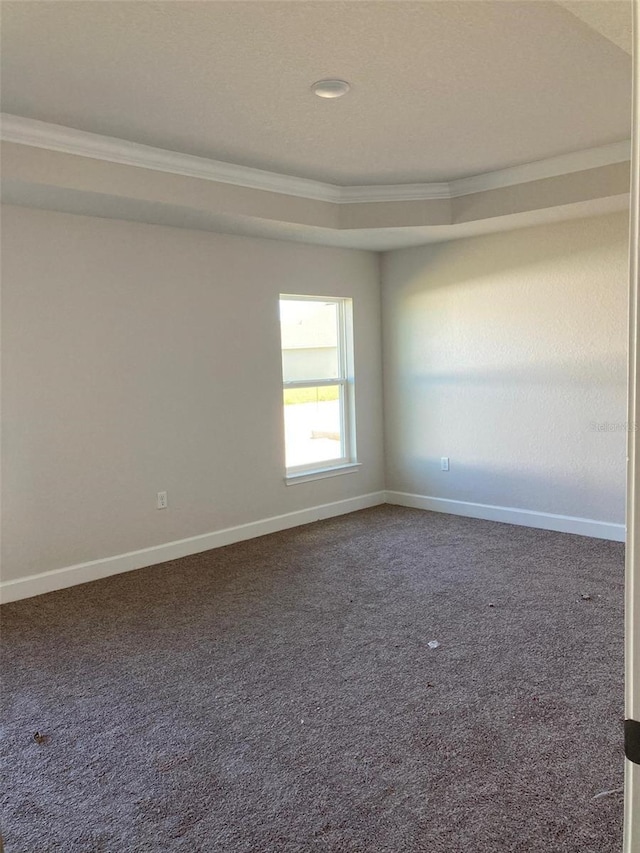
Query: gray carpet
{"type": "Point", "coordinates": [280, 696]}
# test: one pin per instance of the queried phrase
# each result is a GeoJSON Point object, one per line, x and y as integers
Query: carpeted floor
{"type": "Point", "coordinates": [280, 696]}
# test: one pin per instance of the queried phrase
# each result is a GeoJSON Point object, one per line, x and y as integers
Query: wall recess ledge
{"type": "Point", "coordinates": [60, 168]}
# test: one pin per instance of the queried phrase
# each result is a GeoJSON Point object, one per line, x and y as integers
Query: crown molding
{"type": "Point", "coordinates": [394, 192]}
{"type": "Point", "coordinates": [552, 167]}
{"type": "Point", "coordinates": [55, 137]}
{"type": "Point", "coordinates": [67, 140]}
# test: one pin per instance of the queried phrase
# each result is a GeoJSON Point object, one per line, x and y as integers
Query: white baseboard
{"type": "Point", "coordinates": [510, 515]}
{"type": "Point", "coordinates": [13, 590]}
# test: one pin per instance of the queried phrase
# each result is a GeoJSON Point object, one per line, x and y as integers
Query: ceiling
{"type": "Point", "coordinates": [612, 20]}
{"type": "Point", "coordinates": [441, 90]}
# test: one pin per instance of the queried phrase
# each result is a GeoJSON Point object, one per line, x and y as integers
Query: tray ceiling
{"type": "Point", "coordinates": [441, 90]}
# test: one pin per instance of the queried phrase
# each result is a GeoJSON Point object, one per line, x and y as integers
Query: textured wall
{"type": "Point", "coordinates": [138, 358]}
{"type": "Point", "coordinates": [507, 353]}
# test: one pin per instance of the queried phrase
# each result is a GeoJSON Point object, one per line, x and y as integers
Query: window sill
{"type": "Point", "coordinates": [320, 474]}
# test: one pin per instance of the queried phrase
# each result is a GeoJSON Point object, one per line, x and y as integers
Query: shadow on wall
{"type": "Point", "coordinates": [537, 491]}
{"type": "Point", "coordinates": [507, 353]}
{"type": "Point", "coordinates": [514, 440]}
{"type": "Point", "coordinates": [562, 373]}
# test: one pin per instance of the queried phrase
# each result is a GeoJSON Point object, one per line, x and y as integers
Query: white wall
{"type": "Point", "coordinates": [138, 358]}
{"type": "Point", "coordinates": [502, 352]}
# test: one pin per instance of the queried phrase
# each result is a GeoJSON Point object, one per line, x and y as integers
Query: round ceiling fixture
{"type": "Point", "coordinates": [330, 88]}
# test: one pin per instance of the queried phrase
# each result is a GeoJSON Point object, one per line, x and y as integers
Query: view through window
{"type": "Point", "coordinates": [317, 382]}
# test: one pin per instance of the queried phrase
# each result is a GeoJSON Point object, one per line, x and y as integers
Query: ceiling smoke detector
{"type": "Point", "coordinates": [330, 88]}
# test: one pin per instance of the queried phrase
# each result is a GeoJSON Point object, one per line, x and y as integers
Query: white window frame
{"type": "Point", "coordinates": [345, 381]}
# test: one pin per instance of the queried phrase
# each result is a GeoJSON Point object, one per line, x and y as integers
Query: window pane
{"type": "Point", "coordinates": [309, 339]}
{"type": "Point", "coordinates": [312, 425]}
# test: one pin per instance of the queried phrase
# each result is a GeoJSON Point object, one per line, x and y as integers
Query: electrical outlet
{"type": "Point", "coordinates": [161, 502]}
{"type": "Point", "coordinates": [444, 463]}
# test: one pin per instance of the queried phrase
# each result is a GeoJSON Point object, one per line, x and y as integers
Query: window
{"type": "Point", "coordinates": [318, 389]}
